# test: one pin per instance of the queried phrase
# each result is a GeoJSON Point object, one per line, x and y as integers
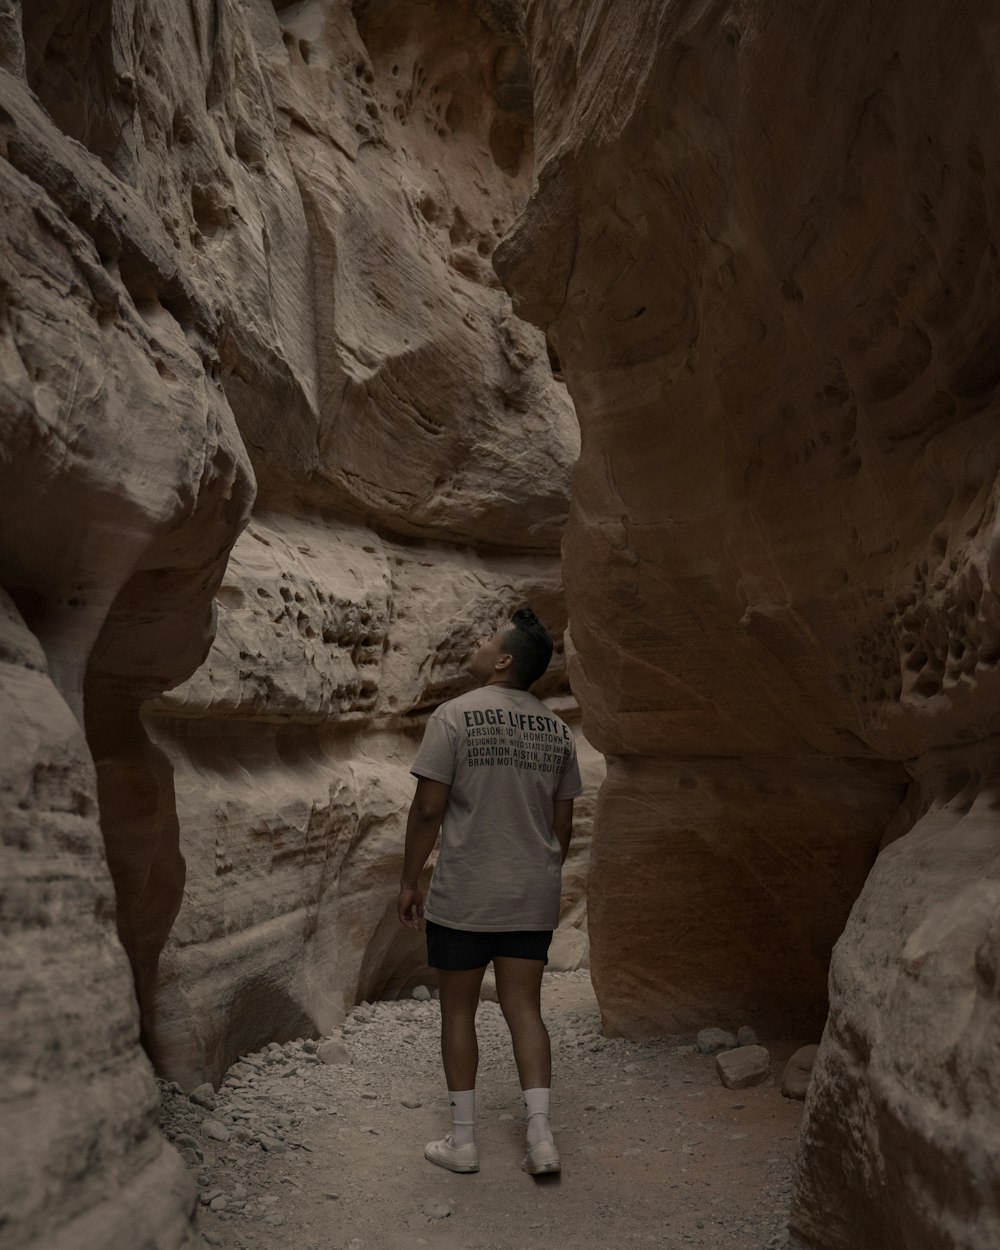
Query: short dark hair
{"type": "Point", "coordinates": [530, 647]}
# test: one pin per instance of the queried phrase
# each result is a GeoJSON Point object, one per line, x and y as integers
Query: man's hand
{"type": "Point", "coordinates": [411, 906]}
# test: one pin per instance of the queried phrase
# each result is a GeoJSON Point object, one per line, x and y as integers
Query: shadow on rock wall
{"type": "Point", "coordinates": [763, 244]}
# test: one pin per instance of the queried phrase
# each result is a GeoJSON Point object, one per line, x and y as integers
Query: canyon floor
{"type": "Point", "coordinates": [655, 1151]}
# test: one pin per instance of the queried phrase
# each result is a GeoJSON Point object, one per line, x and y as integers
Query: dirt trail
{"type": "Point", "coordinates": [655, 1151]}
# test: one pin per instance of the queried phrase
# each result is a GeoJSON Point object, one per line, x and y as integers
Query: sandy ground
{"type": "Point", "coordinates": [655, 1151]}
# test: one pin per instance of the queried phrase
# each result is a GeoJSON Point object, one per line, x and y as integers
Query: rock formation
{"type": "Point", "coordinates": [763, 246]}
{"type": "Point", "coordinates": [245, 265]}
{"type": "Point", "coordinates": [84, 1165]}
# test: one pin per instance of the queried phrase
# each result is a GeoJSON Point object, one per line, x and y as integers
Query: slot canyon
{"type": "Point", "coordinates": [333, 331]}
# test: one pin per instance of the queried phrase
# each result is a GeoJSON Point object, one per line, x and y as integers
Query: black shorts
{"type": "Point", "coordinates": [461, 950]}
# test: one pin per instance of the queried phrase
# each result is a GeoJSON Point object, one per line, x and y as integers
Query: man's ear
{"type": "Point", "coordinates": [504, 661]}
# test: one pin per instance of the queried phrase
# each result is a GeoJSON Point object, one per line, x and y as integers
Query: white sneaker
{"type": "Point", "coordinates": [454, 1158]}
{"type": "Point", "coordinates": [541, 1158]}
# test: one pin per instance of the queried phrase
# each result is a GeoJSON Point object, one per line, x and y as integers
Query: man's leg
{"type": "Point", "coordinates": [459, 1045]}
{"type": "Point", "coordinates": [519, 988]}
{"type": "Point", "coordinates": [460, 1053]}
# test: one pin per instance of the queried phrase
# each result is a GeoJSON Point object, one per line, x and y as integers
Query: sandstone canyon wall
{"type": "Point", "coordinates": [245, 276]}
{"type": "Point", "coordinates": [763, 244]}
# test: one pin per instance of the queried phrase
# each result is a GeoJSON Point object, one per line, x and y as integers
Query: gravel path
{"type": "Point", "coordinates": [297, 1154]}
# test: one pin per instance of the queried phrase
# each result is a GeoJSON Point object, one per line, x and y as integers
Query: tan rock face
{"type": "Point", "coordinates": [910, 1046]}
{"type": "Point", "coordinates": [69, 1046]}
{"type": "Point", "coordinates": [249, 250]}
{"type": "Point", "coordinates": [291, 760]}
{"type": "Point", "coordinates": [349, 607]}
{"type": "Point", "coordinates": [763, 249]}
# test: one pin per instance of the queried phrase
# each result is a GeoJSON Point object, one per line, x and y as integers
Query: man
{"type": "Point", "coordinates": [497, 773]}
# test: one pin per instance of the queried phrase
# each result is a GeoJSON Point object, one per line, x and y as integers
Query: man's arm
{"type": "Point", "coordinates": [562, 824]}
{"type": "Point", "coordinates": [422, 825]}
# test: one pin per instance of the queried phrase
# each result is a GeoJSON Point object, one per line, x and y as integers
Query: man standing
{"type": "Point", "coordinates": [497, 773]}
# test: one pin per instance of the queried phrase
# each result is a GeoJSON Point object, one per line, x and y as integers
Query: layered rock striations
{"type": "Point", "coordinates": [246, 255]}
{"type": "Point", "coordinates": [85, 1166]}
{"type": "Point", "coordinates": [763, 247]}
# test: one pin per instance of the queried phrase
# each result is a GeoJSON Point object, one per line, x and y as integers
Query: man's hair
{"type": "Point", "coordinates": [530, 647]}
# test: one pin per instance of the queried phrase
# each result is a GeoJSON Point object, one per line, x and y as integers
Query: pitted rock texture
{"type": "Point", "coordinates": [246, 252]}
{"type": "Point", "coordinates": [763, 249]}
{"type": "Point", "coordinates": [422, 496]}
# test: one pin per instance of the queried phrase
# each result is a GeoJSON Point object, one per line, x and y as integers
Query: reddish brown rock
{"type": "Point", "coordinates": [731, 880]}
{"type": "Point", "coordinates": [763, 246]}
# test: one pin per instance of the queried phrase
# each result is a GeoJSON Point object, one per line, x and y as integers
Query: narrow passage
{"type": "Point", "coordinates": [655, 1151]}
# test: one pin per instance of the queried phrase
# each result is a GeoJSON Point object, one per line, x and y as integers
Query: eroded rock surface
{"type": "Point", "coordinates": [423, 493]}
{"type": "Point", "coordinates": [763, 247]}
{"type": "Point", "coordinates": [246, 250]}
{"type": "Point", "coordinates": [84, 1164]}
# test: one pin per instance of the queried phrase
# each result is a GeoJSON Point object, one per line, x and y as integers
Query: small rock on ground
{"type": "Point", "coordinates": [744, 1067]}
{"type": "Point", "coordinates": [795, 1080]}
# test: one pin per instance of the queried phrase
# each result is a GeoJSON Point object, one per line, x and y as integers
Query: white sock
{"type": "Point", "coordinates": [463, 1116]}
{"type": "Point", "coordinates": [537, 1103]}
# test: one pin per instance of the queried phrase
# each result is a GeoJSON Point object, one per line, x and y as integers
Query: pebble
{"type": "Point", "coordinates": [204, 1096]}
{"type": "Point", "coordinates": [746, 1036]}
{"type": "Point", "coordinates": [215, 1130]}
{"type": "Point", "coordinates": [333, 1052]}
{"type": "Point", "coordinates": [421, 993]}
{"type": "Point", "coordinates": [285, 1090]}
{"type": "Point", "coordinates": [213, 1239]}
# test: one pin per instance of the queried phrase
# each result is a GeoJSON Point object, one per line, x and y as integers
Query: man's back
{"type": "Point", "coordinates": [507, 758]}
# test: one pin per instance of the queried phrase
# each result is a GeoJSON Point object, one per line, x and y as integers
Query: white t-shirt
{"type": "Point", "coordinates": [507, 757]}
